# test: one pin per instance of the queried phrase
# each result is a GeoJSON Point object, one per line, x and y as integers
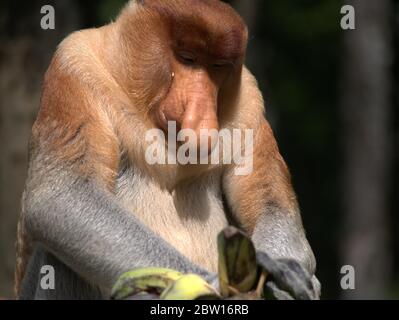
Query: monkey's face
{"type": "Point", "coordinates": [192, 99]}
{"type": "Point", "coordinates": [206, 50]}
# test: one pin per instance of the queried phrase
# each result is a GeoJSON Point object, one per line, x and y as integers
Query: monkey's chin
{"type": "Point", "coordinates": [160, 121]}
{"type": "Point", "coordinates": [197, 152]}
{"type": "Point", "coordinates": [205, 150]}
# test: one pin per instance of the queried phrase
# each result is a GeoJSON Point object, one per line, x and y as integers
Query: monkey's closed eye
{"type": "Point", "coordinates": [187, 58]}
{"type": "Point", "coordinates": [221, 64]}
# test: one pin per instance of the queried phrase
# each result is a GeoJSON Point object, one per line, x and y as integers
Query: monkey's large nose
{"type": "Point", "coordinates": [202, 118]}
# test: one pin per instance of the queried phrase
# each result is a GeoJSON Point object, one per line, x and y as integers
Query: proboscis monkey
{"type": "Point", "coordinates": [94, 207]}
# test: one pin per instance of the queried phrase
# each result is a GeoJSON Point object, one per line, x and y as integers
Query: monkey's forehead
{"type": "Point", "coordinates": [203, 24]}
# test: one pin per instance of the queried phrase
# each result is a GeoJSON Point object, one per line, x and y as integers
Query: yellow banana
{"type": "Point", "coordinates": [150, 280]}
{"type": "Point", "coordinates": [190, 287]}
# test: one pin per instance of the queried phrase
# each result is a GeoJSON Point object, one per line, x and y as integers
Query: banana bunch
{"type": "Point", "coordinates": [239, 277]}
{"type": "Point", "coordinates": [160, 283]}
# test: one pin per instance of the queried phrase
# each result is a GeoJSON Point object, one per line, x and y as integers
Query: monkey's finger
{"type": "Point", "coordinates": [294, 282]}
{"type": "Point", "coordinates": [295, 267]}
{"type": "Point", "coordinates": [288, 276]}
{"type": "Point", "coordinates": [312, 283]}
{"type": "Point", "coordinates": [272, 292]}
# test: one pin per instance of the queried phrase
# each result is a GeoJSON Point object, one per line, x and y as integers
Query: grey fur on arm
{"type": "Point", "coordinates": [281, 241]}
{"type": "Point", "coordinates": [281, 235]}
{"type": "Point", "coordinates": [83, 226]}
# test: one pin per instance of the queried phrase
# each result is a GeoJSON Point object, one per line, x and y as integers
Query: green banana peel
{"type": "Point", "coordinates": [239, 276]}
{"type": "Point", "coordinates": [238, 269]}
{"type": "Point", "coordinates": [150, 280]}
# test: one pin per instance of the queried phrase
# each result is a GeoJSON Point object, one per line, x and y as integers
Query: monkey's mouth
{"type": "Point", "coordinates": [163, 121]}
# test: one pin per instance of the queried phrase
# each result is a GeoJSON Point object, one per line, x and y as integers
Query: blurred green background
{"type": "Point", "coordinates": [331, 99]}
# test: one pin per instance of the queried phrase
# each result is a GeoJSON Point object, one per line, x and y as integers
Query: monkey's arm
{"type": "Point", "coordinates": [69, 204]}
{"type": "Point", "coordinates": [265, 204]}
{"type": "Point", "coordinates": [81, 225]}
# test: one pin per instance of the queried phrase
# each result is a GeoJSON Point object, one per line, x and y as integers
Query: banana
{"type": "Point", "coordinates": [238, 271]}
{"type": "Point", "coordinates": [150, 280]}
{"type": "Point", "coordinates": [190, 287]}
{"type": "Point", "coordinates": [238, 274]}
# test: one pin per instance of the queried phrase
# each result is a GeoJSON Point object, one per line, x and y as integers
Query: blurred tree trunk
{"type": "Point", "coordinates": [366, 114]}
{"type": "Point", "coordinates": [25, 53]}
{"type": "Point", "coordinates": [256, 61]}
{"type": "Point", "coordinates": [249, 12]}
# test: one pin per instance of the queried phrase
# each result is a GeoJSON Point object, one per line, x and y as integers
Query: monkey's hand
{"type": "Point", "coordinates": [288, 280]}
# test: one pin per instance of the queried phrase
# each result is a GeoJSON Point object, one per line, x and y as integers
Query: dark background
{"type": "Point", "coordinates": [331, 99]}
